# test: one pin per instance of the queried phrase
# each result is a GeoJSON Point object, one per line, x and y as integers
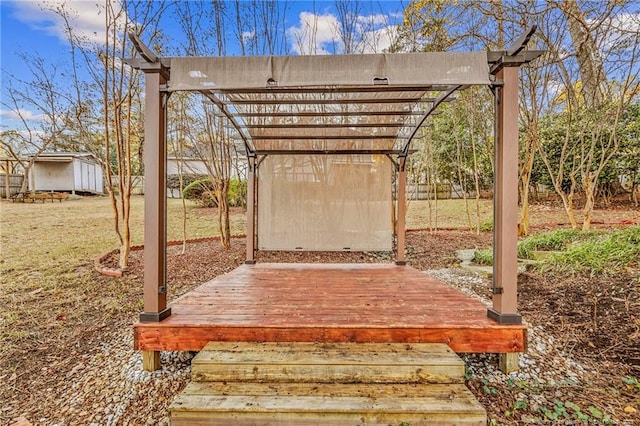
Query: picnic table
{"type": "Point", "coordinates": [43, 196]}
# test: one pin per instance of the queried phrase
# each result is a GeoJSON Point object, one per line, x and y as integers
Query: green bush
{"type": "Point", "coordinates": [555, 240]}
{"type": "Point", "coordinates": [484, 257]}
{"type": "Point", "coordinates": [237, 193]}
{"type": "Point", "coordinates": [173, 181]}
{"type": "Point", "coordinates": [591, 251]}
{"type": "Point", "coordinates": [201, 192]}
{"type": "Point", "coordinates": [600, 253]}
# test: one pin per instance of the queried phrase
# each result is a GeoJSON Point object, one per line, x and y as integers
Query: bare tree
{"type": "Point", "coordinates": [41, 107]}
{"type": "Point", "coordinates": [116, 116]}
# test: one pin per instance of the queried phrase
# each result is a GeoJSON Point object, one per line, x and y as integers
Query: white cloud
{"type": "Point", "coordinates": [378, 19]}
{"type": "Point", "coordinates": [315, 35]}
{"type": "Point", "coordinates": [321, 34]}
{"type": "Point", "coordinates": [248, 35]}
{"type": "Point", "coordinates": [24, 113]}
{"type": "Point", "coordinates": [87, 18]}
{"type": "Point", "coordinates": [379, 40]}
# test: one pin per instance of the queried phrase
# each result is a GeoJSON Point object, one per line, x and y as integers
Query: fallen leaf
{"type": "Point", "coordinates": [21, 421]}
{"type": "Point", "coordinates": [629, 409]}
{"type": "Point", "coordinates": [61, 317]}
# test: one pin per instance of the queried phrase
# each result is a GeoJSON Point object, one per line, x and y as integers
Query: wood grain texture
{"type": "Point", "coordinates": [329, 303]}
{"type": "Point", "coordinates": [328, 363]}
{"type": "Point", "coordinates": [325, 404]}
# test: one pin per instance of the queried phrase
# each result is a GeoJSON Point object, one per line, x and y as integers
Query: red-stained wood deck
{"type": "Point", "coordinates": [328, 303]}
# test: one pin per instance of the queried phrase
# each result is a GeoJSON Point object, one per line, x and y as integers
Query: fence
{"type": "Point", "coordinates": [424, 191]}
{"type": "Point", "coordinates": [15, 184]}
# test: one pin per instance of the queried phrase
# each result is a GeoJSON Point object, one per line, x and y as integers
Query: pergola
{"type": "Point", "coordinates": [334, 105]}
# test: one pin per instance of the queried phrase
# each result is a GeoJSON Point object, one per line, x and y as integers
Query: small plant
{"type": "Point", "coordinates": [571, 411]}
{"type": "Point", "coordinates": [484, 257]}
{"type": "Point", "coordinates": [555, 240]}
{"type": "Point", "coordinates": [632, 383]}
{"type": "Point", "coordinates": [610, 252]}
{"type": "Point", "coordinates": [487, 225]}
{"type": "Point", "coordinates": [486, 388]}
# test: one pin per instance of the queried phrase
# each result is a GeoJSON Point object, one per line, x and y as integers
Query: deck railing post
{"type": "Point", "coordinates": [505, 266]}
{"type": "Point", "coordinates": [251, 217]}
{"type": "Point", "coordinates": [402, 212]}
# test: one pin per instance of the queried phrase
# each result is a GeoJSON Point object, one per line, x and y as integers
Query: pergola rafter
{"type": "Point", "coordinates": [323, 105]}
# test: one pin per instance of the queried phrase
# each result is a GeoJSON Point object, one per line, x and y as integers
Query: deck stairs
{"type": "Point", "coordinates": [326, 384]}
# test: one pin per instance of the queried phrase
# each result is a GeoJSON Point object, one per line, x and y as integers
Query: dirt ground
{"type": "Point", "coordinates": [594, 320]}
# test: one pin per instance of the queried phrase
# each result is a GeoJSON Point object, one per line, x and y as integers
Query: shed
{"type": "Point", "coordinates": [66, 172]}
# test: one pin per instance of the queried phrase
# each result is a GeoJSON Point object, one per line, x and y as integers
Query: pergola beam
{"type": "Point", "coordinates": [328, 151]}
{"type": "Point", "coordinates": [429, 112]}
{"type": "Point", "coordinates": [213, 98]}
{"type": "Point", "coordinates": [394, 112]}
{"type": "Point", "coordinates": [347, 101]}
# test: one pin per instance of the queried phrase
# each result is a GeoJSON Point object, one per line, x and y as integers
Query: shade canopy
{"type": "Point", "coordinates": [330, 104]}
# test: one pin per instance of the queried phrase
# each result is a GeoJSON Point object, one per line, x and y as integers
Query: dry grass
{"type": "Point", "coordinates": [46, 266]}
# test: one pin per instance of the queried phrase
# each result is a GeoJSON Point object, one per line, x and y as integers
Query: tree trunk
{"type": "Point", "coordinates": [589, 61]}
{"type": "Point", "coordinates": [222, 195]}
{"type": "Point", "coordinates": [589, 187]}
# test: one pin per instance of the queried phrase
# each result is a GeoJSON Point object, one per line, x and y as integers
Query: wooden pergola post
{"type": "Point", "coordinates": [402, 211]}
{"type": "Point", "coordinates": [505, 264]}
{"type": "Point", "coordinates": [251, 209]}
{"type": "Point", "coordinates": [155, 203]}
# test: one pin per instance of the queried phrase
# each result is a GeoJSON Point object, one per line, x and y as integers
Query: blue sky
{"type": "Point", "coordinates": [27, 28]}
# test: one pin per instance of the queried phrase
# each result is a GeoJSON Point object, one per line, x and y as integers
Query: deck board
{"type": "Point", "coordinates": [329, 303]}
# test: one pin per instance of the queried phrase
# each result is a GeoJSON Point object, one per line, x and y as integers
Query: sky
{"type": "Point", "coordinates": [25, 28]}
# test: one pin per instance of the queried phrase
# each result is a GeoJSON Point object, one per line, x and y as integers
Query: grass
{"type": "Point", "coordinates": [448, 214]}
{"type": "Point", "coordinates": [46, 266]}
{"type": "Point", "coordinates": [581, 251]}
{"type": "Point", "coordinates": [39, 236]}
{"type": "Point", "coordinates": [600, 253]}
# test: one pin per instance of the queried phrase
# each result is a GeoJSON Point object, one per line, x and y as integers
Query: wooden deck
{"type": "Point", "coordinates": [328, 303]}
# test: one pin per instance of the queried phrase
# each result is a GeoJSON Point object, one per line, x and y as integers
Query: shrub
{"type": "Point", "coordinates": [484, 257]}
{"type": "Point", "coordinates": [600, 253]}
{"type": "Point", "coordinates": [237, 193]}
{"type": "Point", "coordinates": [173, 181]}
{"type": "Point", "coordinates": [201, 192]}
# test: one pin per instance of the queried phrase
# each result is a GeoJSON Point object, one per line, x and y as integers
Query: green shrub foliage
{"type": "Point", "coordinates": [201, 192]}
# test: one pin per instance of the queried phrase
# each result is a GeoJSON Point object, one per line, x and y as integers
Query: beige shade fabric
{"type": "Point", "coordinates": [332, 202]}
{"type": "Point", "coordinates": [353, 110]}
{"type": "Point", "coordinates": [401, 69]}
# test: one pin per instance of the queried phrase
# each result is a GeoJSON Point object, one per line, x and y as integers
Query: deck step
{"type": "Point", "coordinates": [326, 384]}
{"type": "Point", "coordinates": [325, 404]}
{"type": "Point", "coordinates": [328, 363]}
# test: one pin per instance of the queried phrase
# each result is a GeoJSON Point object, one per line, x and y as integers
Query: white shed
{"type": "Point", "coordinates": [66, 172]}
